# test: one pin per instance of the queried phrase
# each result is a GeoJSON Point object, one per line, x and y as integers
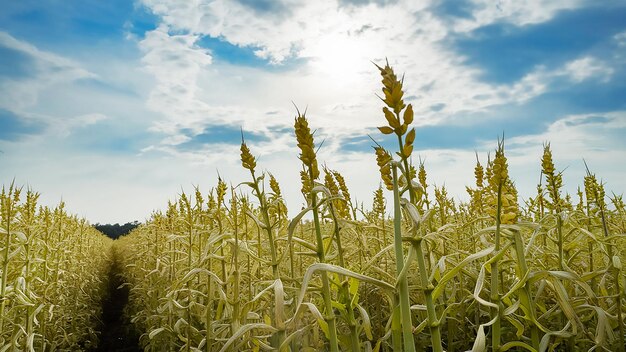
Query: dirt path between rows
{"type": "Point", "coordinates": [115, 335]}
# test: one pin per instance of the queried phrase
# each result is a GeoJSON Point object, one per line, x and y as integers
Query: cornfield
{"type": "Point", "coordinates": [54, 276]}
{"type": "Point", "coordinates": [230, 270]}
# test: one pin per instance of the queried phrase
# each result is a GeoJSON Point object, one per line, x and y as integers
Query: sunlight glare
{"type": "Point", "coordinates": [340, 57]}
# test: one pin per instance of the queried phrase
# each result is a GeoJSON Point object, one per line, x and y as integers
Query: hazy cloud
{"type": "Point", "coordinates": [46, 70]}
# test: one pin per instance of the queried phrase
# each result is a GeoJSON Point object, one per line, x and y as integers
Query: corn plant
{"type": "Point", "coordinates": [54, 276]}
{"type": "Point", "coordinates": [230, 271]}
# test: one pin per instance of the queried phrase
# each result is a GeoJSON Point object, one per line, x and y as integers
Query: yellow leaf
{"type": "Point", "coordinates": [339, 306]}
{"type": "Point", "coordinates": [377, 347]}
{"type": "Point", "coordinates": [324, 326]}
{"type": "Point", "coordinates": [401, 130]}
{"type": "Point", "coordinates": [410, 137]}
{"type": "Point", "coordinates": [354, 286]}
{"type": "Point", "coordinates": [408, 115]}
{"type": "Point", "coordinates": [391, 118]}
{"type": "Point", "coordinates": [385, 130]}
{"type": "Point", "coordinates": [407, 150]}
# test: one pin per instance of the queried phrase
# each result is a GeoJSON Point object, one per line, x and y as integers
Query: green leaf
{"type": "Point", "coordinates": [353, 289]}
{"type": "Point", "coordinates": [337, 305]}
{"type": "Point", "coordinates": [519, 326]}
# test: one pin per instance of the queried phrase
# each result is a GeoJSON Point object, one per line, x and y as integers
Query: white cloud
{"type": "Point", "coordinates": [336, 80]}
{"type": "Point", "coordinates": [541, 79]}
{"type": "Point", "coordinates": [89, 100]}
{"type": "Point", "coordinates": [620, 38]}
{"type": "Point", "coordinates": [47, 94]}
{"type": "Point", "coordinates": [47, 70]}
{"type": "Point", "coordinates": [595, 137]}
{"type": "Point", "coordinates": [576, 136]}
{"type": "Point", "coordinates": [588, 67]}
{"type": "Point", "coordinates": [518, 13]}
{"type": "Point", "coordinates": [175, 62]}
{"type": "Point", "coordinates": [66, 126]}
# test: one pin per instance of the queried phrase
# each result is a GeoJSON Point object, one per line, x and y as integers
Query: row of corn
{"type": "Point", "coordinates": [228, 270]}
{"type": "Point", "coordinates": [54, 271]}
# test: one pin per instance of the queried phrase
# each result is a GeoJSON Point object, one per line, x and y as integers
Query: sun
{"type": "Point", "coordinates": [341, 57]}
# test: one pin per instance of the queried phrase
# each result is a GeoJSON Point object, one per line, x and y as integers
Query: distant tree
{"type": "Point", "coordinates": [116, 230]}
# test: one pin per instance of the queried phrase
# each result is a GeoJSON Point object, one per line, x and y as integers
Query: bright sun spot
{"type": "Point", "coordinates": [339, 56]}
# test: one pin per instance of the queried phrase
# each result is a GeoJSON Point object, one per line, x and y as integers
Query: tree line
{"type": "Point", "coordinates": [114, 231]}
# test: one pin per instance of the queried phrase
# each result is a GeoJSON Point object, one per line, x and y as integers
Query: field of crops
{"type": "Point", "coordinates": [54, 271]}
{"type": "Point", "coordinates": [228, 270]}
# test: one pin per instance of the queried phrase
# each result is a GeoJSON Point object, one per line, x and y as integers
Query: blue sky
{"type": "Point", "coordinates": [117, 106]}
